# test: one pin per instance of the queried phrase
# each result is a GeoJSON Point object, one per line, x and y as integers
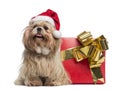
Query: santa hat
{"type": "Point", "coordinates": [51, 17]}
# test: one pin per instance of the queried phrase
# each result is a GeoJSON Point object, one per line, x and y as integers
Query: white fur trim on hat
{"type": "Point", "coordinates": [43, 18]}
{"type": "Point", "coordinates": [57, 34]}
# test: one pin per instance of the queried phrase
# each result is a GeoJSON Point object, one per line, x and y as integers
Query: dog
{"type": "Point", "coordinates": [42, 65]}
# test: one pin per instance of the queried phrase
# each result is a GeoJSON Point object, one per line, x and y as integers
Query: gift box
{"type": "Point", "coordinates": [81, 72]}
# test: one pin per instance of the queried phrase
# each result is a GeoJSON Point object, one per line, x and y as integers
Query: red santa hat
{"type": "Point", "coordinates": [51, 17]}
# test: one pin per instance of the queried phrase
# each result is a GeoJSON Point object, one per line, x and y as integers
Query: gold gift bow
{"type": "Point", "coordinates": [92, 49]}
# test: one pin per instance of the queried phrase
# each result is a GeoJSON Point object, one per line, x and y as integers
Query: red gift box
{"type": "Point", "coordinates": [79, 72]}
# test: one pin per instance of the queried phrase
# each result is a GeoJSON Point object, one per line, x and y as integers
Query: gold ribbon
{"type": "Point", "coordinates": [92, 49]}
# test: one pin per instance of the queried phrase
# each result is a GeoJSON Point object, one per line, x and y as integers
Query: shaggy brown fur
{"type": "Point", "coordinates": [42, 64]}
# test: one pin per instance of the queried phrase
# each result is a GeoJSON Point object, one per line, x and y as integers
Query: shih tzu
{"type": "Point", "coordinates": [42, 65]}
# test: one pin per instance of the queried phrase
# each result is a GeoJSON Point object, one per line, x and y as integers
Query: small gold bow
{"type": "Point", "coordinates": [92, 49]}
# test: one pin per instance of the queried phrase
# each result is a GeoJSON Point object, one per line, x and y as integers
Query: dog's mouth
{"type": "Point", "coordinates": [40, 36]}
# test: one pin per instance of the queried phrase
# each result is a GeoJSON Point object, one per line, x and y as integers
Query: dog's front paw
{"type": "Point", "coordinates": [52, 84]}
{"type": "Point", "coordinates": [33, 82]}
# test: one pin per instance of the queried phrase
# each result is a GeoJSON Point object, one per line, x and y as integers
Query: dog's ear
{"type": "Point", "coordinates": [28, 43]}
{"type": "Point", "coordinates": [25, 36]}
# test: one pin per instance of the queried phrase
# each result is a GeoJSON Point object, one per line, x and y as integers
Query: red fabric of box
{"type": "Point", "coordinates": [79, 72]}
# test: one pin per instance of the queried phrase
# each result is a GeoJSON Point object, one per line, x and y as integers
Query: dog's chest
{"type": "Point", "coordinates": [44, 66]}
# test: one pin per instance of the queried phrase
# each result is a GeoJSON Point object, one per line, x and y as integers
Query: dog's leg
{"type": "Point", "coordinates": [33, 81]}
{"type": "Point", "coordinates": [19, 81]}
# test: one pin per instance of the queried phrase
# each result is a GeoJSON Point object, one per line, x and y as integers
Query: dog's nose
{"type": "Point", "coordinates": [39, 29]}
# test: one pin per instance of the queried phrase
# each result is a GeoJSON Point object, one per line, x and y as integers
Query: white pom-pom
{"type": "Point", "coordinates": [57, 34]}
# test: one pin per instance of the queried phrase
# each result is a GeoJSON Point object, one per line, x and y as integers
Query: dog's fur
{"type": "Point", "coordinates": [41, 58]}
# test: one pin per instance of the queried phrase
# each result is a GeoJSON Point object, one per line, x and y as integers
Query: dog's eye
{"type": "Point", "coordinates": [45, 27]}
{"type": "Point", "coordinates": [34, 26]}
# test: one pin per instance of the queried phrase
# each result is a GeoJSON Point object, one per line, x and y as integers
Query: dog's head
{"type": "Point", "coordinates": [38, 37]}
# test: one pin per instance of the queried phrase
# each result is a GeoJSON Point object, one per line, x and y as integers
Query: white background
{"type": "Point", "coordinates": [98, 16]}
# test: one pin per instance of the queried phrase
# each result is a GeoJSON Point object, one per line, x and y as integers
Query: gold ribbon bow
{"type": "Point", "coordinates": [92, 49]}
